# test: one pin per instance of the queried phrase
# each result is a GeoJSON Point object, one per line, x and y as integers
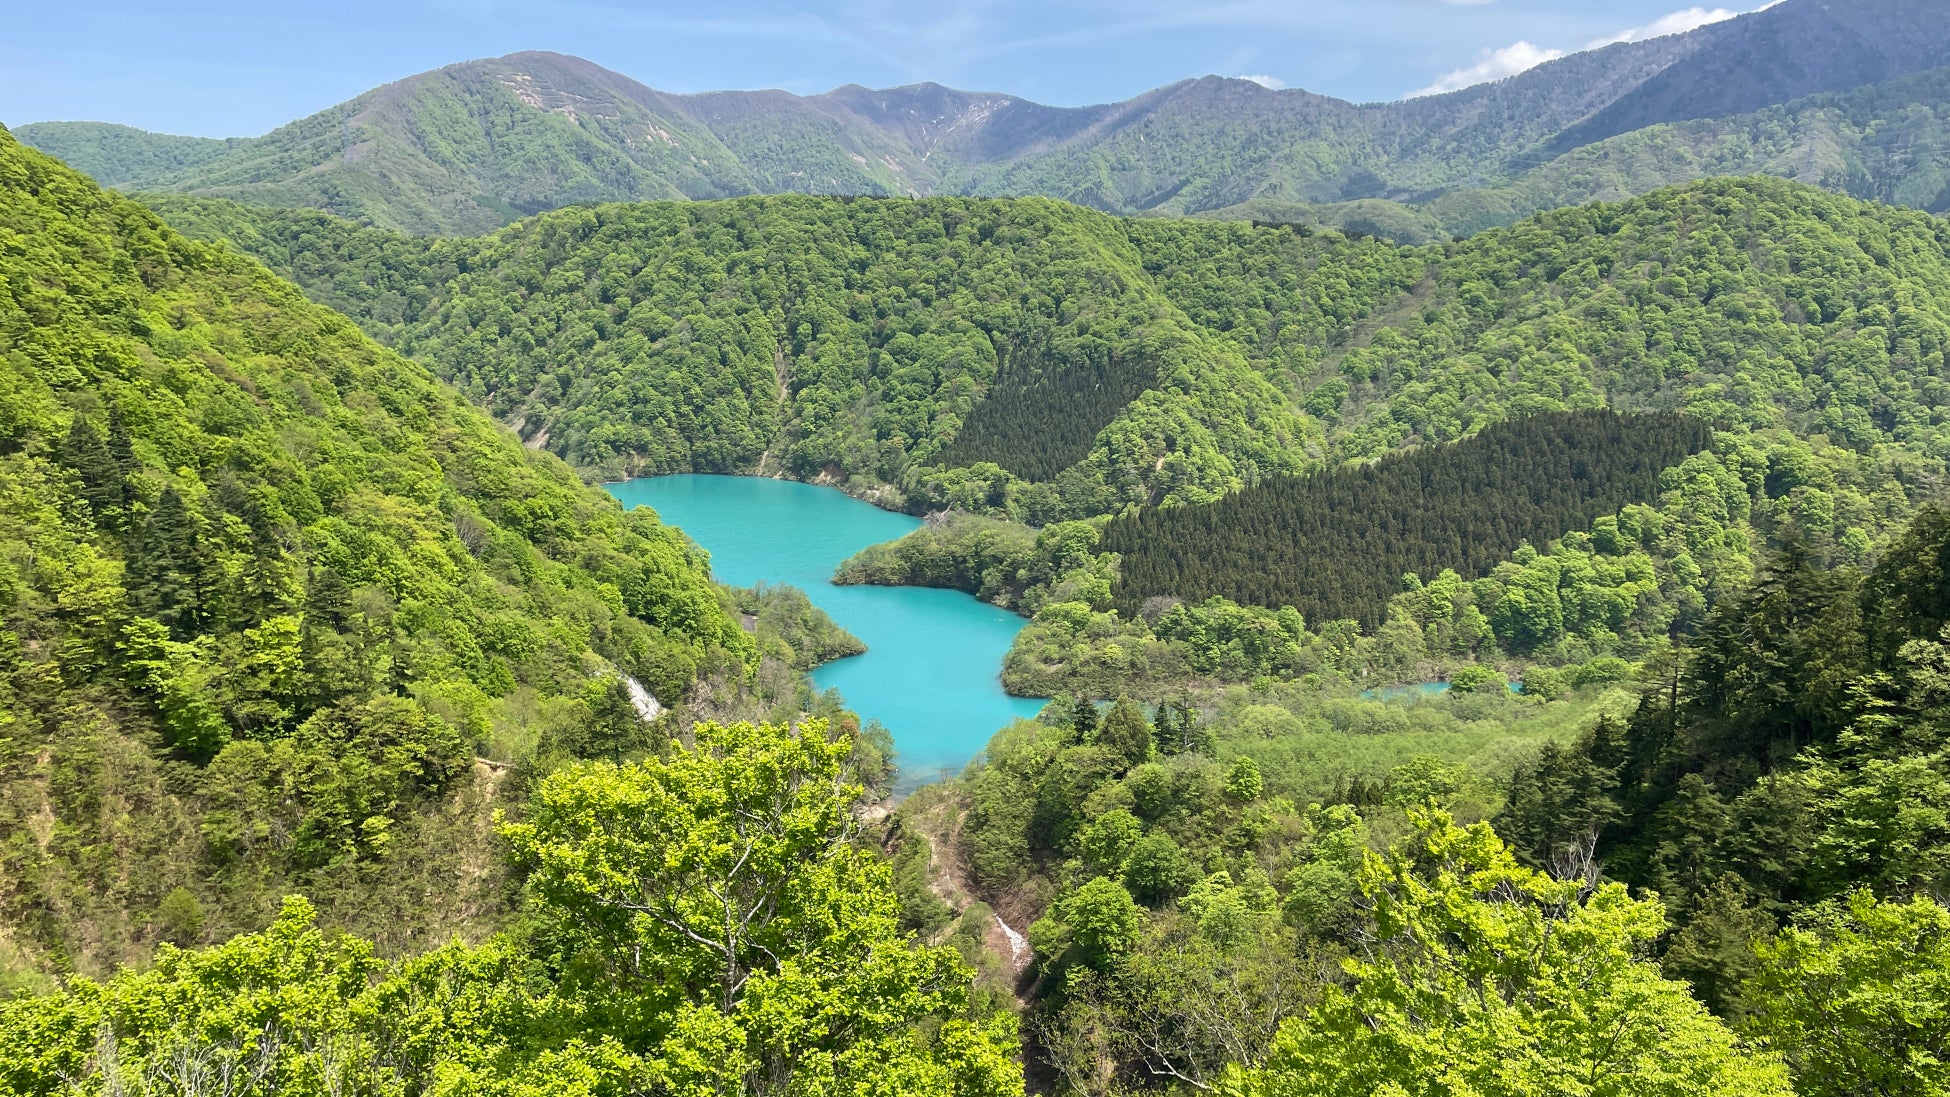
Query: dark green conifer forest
{"type": "Point", "coordinates": [1336, 544]}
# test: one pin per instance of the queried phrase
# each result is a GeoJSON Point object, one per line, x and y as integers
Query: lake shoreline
{"type": "Point", "coordinates": [932, 674]}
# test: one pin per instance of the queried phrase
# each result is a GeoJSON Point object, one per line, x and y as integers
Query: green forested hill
{"type": "Point", "coordinates": [1884, 142]}
{"type": "Point", "coordinates": [1751, 303]}
{"type": "Point", "coordinates": [269, 590]}
{"type": "Point", "coordinates": [1811, 330]}
{"type": "Point", "coordinates": [472, 146]}
{"type": "Point", "coordinates": [283, 614]}
{"type": "Point", "coordinates": [113, 155]}
{"type": "Point", "coordinates": [849, 338]}
{"type": "Point", "coordinates": [1760, 814]}
{"type": "Point", "coordinates": [1807, 329]}
{"type": "Point", "coordinates": [864, 338]}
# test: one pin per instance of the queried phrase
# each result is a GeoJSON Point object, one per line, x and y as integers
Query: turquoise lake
{"type": "Point", "coordinates": [932, 673]}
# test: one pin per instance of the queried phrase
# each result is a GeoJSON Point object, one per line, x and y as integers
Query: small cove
{"type": "Point", "coordinates": [932, 671]}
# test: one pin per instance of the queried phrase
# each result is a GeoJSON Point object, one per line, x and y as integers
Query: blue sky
{"type": "Point", "coordinates": [233, 68]}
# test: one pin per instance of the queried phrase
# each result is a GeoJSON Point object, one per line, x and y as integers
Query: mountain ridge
{"type": "Point", "coordinates": [471, 146]}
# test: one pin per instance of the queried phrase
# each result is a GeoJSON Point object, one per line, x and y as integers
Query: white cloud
{"type": "Point", "coordinates": [1678, 22]}
{"type": "Point", "coordinates": [1273, 83]}
{"type": "Point", "coordinates": [1491, 65]}
{"type": "Point", "coordinates": [1519, 56]}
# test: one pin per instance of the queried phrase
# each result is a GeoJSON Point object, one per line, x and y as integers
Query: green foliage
{"type": "Point", "coordinates": [1243, 782]}
{"type": "Point", "coordinates": [922, 910]}
{"type": "Point", "coordinates": [268, 591]}
{"type": "Point", "coordinates": [1106, 841]}
{"type": "Point", "coordinates": [1795, 754]}
{"type": "Point", "coordinates": [1560, 801]}
{"type": "Point", "coordinates": [473, 146]}
{"type": "Point", "coordinates": [997, 561]}
{"type": "Point", "coordinates": [281, 610]}
{"type": "Point", "coordinates": [246, 1008]}
{"type": "Point", "coordinates": [665, 339]}
{"type": "Point", "coordinates": [1487, 977]}
{"type": "Point", "coordinates": [1038, 795]}
{"type": "Point", "coordinates": [113, 155]}
{"type": "Point", "coordinates": [1856, 996]}
{"type": "Point", "coordinates": [850, 339]}
{"type": "Point", "coordinates": [1320, 888]}
{"type": "Point", "coordinates": [1255, 895]}
{"type": "Point", "coordinates": [1101, 921]}
{"type": "Point", "coordinates": [1476, 676]}
{"type": "Point", "coordinates": [1125, 733]}
{"type": "Point", "coordinates": [1572, 310]}
{"type": "Point", "coordinates": [625, 981]}
{"type": "Point", "coordinates": [1157, 871]}
{"type": "Point", "coordinates": [1199, 992]}
{"type": "Point", "coordinates": [1582, 608]}
{"type": "Point", "coordinates": [1810, 327]}
{"type": "Point", "coordinates": [790, 628]}
{"type": "Point", "coordinates": [180, 917]}
{"type": "Point", "coordinates": [716, 885]}
{"type": "Point", "coordinates": [1845, 141]}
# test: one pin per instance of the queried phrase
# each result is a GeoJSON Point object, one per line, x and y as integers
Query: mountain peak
{"type": "Point", "coordinates": [539, 129]}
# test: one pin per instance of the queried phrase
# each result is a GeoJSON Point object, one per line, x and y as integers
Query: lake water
{"type": "Point", "coordinates": [932, 673]}
{"type": "Point", "coordinates": [1415, 691]}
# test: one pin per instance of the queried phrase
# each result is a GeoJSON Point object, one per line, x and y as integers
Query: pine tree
{"type": "Point", "coordinates": [1714, 950]}
{"type": "Point", "coordinates": [101, 478]}
{"type": "Point", "coordinates": [1165, 732]}
{"type": "Point", "coordinates": [608, 726]}
{"type": "Point", "coordinates": [1192, 737]}
{"type": "Point", "coordinates": [1083, 720]}
{"type": "Point", "coordinates": [165, 567]}
{"type": "Point", "coordinates": [1335, 544]}
{"type": "Point", "coordinates": [1126, 733]}
{"type": "Point", "coordinates": [332, 647]}
{"type": "Point", "coordinates": [1908, 594]}
{"type": "Point", "coordinates": [328, 601]}
{"type": "Point", "coordinates": [120, 446]}
{"type": "Point", "coordinates": [1754, 677]}
{"type": "Point", "coordinates": [1559, 805]}
{"type": "Point", "coordinates": [265, 577]}
{"type": "Point", "coordinates": [1688, 829]}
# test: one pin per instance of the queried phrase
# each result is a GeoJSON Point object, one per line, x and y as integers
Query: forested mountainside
{"type": "Point", "coordinates": [113, 155]}
{"type": "Point", "coordinates": [270, 592]}
{"type": "Point", "coordinates": [1214, 914]}
{"type": "Point", "coordinates": [284, 614]}
{"type": "Point", "coordinates": [1883, 142]}
{"type": "Point", "coordinates": [473, 146]}
{"type": "Point", "coordinates": [862, 340]}
{"type": "Point", "coordinates": [1808, 330]}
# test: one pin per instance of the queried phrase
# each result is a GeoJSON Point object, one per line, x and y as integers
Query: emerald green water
{"type": "Point", "coordinates": [932, 671]}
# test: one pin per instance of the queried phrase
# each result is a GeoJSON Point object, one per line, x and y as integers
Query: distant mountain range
{"type": "Point", "coordinates": [1845, 94]}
